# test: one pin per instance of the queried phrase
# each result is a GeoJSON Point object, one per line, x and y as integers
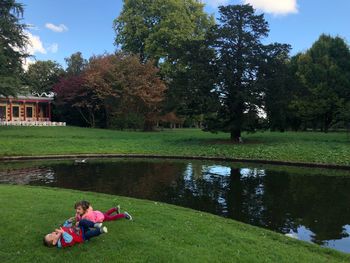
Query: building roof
{"type": "Point", "coordinates": [36, 96]}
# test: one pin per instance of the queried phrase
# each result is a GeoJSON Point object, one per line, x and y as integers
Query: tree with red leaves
{"type": "Point", "coordinates": [112, 86]}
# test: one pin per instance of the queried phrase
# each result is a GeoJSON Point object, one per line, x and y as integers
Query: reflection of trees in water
{"type": "Point", "coordinates": [275, 200]}
{"type": "Point", "coordinates": [136, 179]}
{"type": "Point", "coordinates": [319, 203]}
{"type": "Point", "coordinates": [199, 188]}
{"type": "Point", "coordinates": [245, 196]}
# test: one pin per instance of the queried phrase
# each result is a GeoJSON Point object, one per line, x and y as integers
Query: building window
{"type": "Point", "coordinates": [2, 112]}
{"type": "Point", "coordinates": [15, 112]}
{"type": "Point", "coordinates": [29, 112]}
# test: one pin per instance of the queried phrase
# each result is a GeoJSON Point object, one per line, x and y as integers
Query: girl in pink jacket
{"type": "Point", "coordinates": [85, 211]}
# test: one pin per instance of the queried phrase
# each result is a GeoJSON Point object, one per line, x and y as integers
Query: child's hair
{"type": "Point", "coordinates": [84, 204]}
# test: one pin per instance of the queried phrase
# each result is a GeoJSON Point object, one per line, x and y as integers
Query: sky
{"type": "Point", "coordinates": [61, 28]}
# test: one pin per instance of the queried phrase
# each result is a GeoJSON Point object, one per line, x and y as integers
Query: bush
{"type": "Point", "coordinates": [128, 121]}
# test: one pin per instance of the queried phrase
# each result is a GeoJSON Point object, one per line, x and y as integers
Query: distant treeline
{"type": "Point", "coordinates": [176, 64]}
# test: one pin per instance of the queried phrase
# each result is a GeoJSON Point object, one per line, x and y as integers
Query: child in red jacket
{"type": "Point", "coordinates": [68, 236]}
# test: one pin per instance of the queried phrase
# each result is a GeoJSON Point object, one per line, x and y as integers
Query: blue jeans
{"type": "Point", "coordinates": [88, 229]}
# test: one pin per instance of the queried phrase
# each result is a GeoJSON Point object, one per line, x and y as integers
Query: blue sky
{"type": "Point", "coordinates": [60, 28]}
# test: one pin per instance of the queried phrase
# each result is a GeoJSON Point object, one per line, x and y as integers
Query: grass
{"type": "Point", "coordinates": [313, 147]}
{"type": "Point", "coordinates": [159, 233]}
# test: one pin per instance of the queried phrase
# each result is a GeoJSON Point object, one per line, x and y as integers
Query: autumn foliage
{"type": "Point", "coordinates": [112, 87]}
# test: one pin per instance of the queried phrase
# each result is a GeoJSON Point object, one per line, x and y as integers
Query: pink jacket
{"type": "Point", "coordinates": [94, 216]}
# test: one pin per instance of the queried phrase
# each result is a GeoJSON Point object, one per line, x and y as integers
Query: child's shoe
{"type": "Point", "coordinates": [97, 225]}
{"type": "Point", "coordinates": [104, 230]}
{"type": "Point", "coordinates": [127, 216]}
{"type": "Point", "coordinates": [118, 209]}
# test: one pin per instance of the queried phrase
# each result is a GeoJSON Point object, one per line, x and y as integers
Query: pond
{"type": "Point", "coordinates": [310, 204]}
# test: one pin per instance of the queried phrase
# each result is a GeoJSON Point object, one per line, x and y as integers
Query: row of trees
{"type": "Point", "coordinates": [311, 89]}
{"type": "Point", "coordinates": [225, 72]}
{"type": "Point", "coordinates": [174, 57]}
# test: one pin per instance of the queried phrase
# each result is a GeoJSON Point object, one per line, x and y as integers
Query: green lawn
{"type": "Point", "coordinates": [159, 233]}
{"type": "Point", "coordinates": [331, 148]}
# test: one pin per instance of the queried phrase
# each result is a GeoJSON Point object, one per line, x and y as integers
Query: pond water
{"type": "Point", "coordinates": [311, 204]}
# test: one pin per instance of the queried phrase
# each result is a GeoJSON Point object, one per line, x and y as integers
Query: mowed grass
{"type": "Point", "coordinates": [159, 233]}
{"type": "Point", "coordinates": [314, 147]}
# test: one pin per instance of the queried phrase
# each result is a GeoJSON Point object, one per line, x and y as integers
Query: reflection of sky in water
{"type": "Point", "coordinates": [188, 173]}
{"type": "Point", "coordinates": [247, 172]}
{"type": "Point", "coordinates": [341, 244]}
{"type": "Point", "coordinates": [217, 170]}
{"type": "Point", "coordinates": [302, 233]}
{"type": "Point", "coordinates": [305, 234]}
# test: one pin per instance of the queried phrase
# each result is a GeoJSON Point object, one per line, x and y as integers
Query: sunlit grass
{"type": "Point", "coordinates": [331, 148]}
{"type": "Point", "coordinates": [159, 233]}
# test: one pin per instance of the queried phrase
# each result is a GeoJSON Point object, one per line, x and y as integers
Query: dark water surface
{"type": "Point", "coordinates": [311, 204]}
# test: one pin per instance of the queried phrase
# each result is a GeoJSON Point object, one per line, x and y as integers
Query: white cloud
{"type": "Point", "coordinates": [59, 28]}
{"type": "Point", "coordinates": [216, 3]}
{"type": "Point", "coordinates": [53, 48]}
{"type": "Point", "coordinates": [34, 44]}
{"type": "Point", "coordinates": [276, 7]}
{"type": "Point", "coordinates": [26, 62]}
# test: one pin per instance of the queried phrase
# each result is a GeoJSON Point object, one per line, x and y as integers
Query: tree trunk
{"type": "Point", "coordinates": [89, 120]}
{"type": "Point", "coordinates": [92, 119]}
{"type": "Point", "coordinates": [148, 126]}
{"type": "Point", "coordinates": [327, 122]}
{"type": "Point", "coordinates": [236, 135]}
{"type": "Point", "coordinates": [235, 197]}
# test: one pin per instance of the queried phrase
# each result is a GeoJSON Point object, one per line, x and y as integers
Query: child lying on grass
{"type": "Point", "coordinates": [85, 211]}
{"type": "Point", "coordinates": [68, 235]}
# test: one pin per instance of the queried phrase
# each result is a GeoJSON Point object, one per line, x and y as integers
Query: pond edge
{"type": "Point", "coordinates": [180, 157]}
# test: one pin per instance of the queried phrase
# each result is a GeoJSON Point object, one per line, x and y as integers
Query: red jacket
{"type": "Point", "coordinates": [77, 236]}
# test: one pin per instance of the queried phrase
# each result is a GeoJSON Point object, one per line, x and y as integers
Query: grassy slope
{"type": "Point", "coordinates": [330, 148]}
{"type": "Point", "coordinates": [159, 233]}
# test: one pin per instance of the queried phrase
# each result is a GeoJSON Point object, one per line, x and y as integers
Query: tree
{"type": "Point", "coordinates": [113, 86]}
{"type": "Point", "coordinates": [89, 92]}
{"type": "Point", "coordinates": [12, 46]}
{"type": "Point", "coordinates": [191, 79]}
{"type": "Point", "coordinates": [174, 34]}
{"type": "Point", "coordinates": [324, 71]}
{"type": "Point", "coordinates": [141, 89]}
{"type": "Point", "coordinates": [156, 29]}
{"type": "Point", "coordinates": [276, 82]}
{"type": "Point", "coordinates": [101, 81]}
{"type": "Point", "coordinates": [75, 64]}
{"type": "Point", "coordinates": [85, 94]}
{"type": "Point", "coordinates": [42, 75]}
{"type": "Point", "coordinates": [240, 53]}
{"type": "Point", "coordinates": [71, 92]}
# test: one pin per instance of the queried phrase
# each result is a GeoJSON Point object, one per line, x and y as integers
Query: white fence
{"type": "Point", "coordinates": [31, 123]}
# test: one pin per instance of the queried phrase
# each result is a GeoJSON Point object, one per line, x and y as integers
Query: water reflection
{"type": "Point", "coordinates": [311, 206]}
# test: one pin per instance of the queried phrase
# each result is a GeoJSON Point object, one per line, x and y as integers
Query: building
{"type": "Point", "coordinates": [33, 109]}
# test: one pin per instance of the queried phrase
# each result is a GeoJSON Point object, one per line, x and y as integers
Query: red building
{"type": "Point", "coordinates": [27, 110]}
